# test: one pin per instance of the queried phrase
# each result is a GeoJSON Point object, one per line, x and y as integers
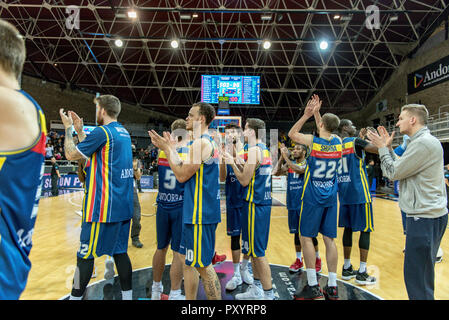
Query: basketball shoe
{"type": "Point", "coordinates": [348, 274]}
{"type": "Point", "coordinates": [330, 293]}
{"type": "Point", "coordinates": [218, 259]}
{"type": "Point", "coordinates": [310, 293]}
{"type": "Point", "coordinates": [298, 265]}
{"type": "Point", "coordinates": [253, 293]}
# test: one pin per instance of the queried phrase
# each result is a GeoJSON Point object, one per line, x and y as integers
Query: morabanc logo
{"type": "Point", "coordinates": [429, 76]}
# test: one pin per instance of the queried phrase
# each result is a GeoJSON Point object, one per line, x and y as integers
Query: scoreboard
{"type": "Point", "coordinates": [220, 122]}
{"type": "Point", "coordinates": [239, 89]}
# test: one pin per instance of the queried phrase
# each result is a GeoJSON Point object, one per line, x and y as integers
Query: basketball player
{"type": "Point", "coordinates": [234, 204]}
{"type": "Point", "coordinates": [201, 209]}
{"type": "Point", "coordinates": [170, 200]}
{"type": "Point", "coordinates": [108, 202]}
{"type": "Point", "coordinates": [319, 196]}
{"type": "Point", "coordinates": [295, 181]}
{"type": "Point", "coordinates": [22, 145]}
{"type": "Point", "coordinates": [255, 177]}
{"type": "Point", "coordinates": [356, 209]}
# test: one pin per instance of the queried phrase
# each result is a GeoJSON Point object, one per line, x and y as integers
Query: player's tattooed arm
{"type": "Point", "coordinates": [71, 153]}
{"type": "Point", "coordinates": [69, 145]}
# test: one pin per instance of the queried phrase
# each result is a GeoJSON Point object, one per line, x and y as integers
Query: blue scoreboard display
{"type": "Point", "coordinates": [239, 89]}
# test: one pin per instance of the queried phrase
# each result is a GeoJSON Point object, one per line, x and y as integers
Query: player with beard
{"type": "Point", "coordinates": [108, 201]}
{"type": "Point", "coordinates": [234, 204]}
{"type": "Point", "coordinates": [295, 181]}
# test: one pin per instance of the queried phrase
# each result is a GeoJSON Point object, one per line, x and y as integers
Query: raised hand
{"type": "Point", "coordinates": [160, 142]}
{"type": "Point", "coordinates": [66, 119]}
{"type": "Point", "coordinates": [384, 133]}
{"type": "Point", "coordinates": [77, 122]}
{"type": "Point", "coordinates": [363, 132]}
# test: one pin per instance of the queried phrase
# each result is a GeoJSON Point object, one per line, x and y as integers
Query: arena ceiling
{"type": "Point", "coordinates": [224, 37]}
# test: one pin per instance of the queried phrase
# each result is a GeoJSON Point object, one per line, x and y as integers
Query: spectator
{"type": "Point", "coordinates": [48, 151]}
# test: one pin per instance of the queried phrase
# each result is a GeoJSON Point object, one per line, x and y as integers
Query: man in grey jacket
{"type": "Point", "coordinates": [422, 195]}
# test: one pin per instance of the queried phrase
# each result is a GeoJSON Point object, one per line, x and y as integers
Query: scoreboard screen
{"type": "Point", "coordinates": [239, 89]}
{"type": "Point", "coordinates": [220, 122]}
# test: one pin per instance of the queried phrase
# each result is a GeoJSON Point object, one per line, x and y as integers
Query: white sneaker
{"type": "Point", "coordinates": [235, 281]}
{"type": "Point", "coordinates": [109, 269]}
{"type": "Point", "coordinates": [156, 292]}
{"type": "Point", "coordinates": [253, 293]}
{"type": "Point", "coordinates": [176, 297]}
{"type": "Point", "coordinates": [246, 276]}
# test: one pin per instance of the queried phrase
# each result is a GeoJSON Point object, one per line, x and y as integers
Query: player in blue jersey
{"type": "Point", "coordinates": [22, 146]}
{"type": "Point", "coordinates": [356, 209]}
{"type": "Point", "coordinates": [255, 177]}
{"type": "Point", "coordinates": [319, 196]}
{"type": "Point", "coordinates": [170, 200]}
{"type": "Point", "coordinates": [234, 204]}
{"type": "Point", "coordinates": [201, 209]}
{"type": "Point", "coordinates": [108, 201]}
{"type": "Point", "coordinates": [295, 181]}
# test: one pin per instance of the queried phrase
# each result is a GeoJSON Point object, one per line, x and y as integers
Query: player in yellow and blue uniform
{"type": "Point", "coordinates": [356, 209]}
{"type": "Point", "coordinates": [169, 224]}
{"type": "Point", "coordinates": [108, 201]}
{"type": "Point", "coordinates": [201, 210]}
{"type": "Point", "coordinates": [319, 196]}
{"type": "Point", "coordinates": [255, 177]}
{"type": "Point", "coordinates": [22, 154]}
{"type": "Point", "coordinates": [234, 205]}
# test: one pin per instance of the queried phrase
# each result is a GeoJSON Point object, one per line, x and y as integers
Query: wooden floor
{"type": "Point", "coordinates": [56, 240]}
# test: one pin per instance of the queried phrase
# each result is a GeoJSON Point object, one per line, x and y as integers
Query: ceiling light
{"type": "Point", "coordinates": [118, 43]}
{"type": "Point", "coordinates": [195, 15]}
{"type": "Point", "coordinates": [324, 45]}
{"type": "Point", "coordinates": [394, 18]}
{"type": "Point", "coordinates": [266, 17]}
{"type": "Point", "coordinates": [174, 44]}
{"type": "Point", "coordinates": [132, 14]}
{"type": "Point", "coordinates": [185, 16]}
{"type": "Point", "coordinates": [337, 16]}
{"type": "Point", "coordinates": [266, 44]}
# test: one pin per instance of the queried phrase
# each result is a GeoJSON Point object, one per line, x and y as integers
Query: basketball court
{"type": "Point", "coordinates": [248, 59]}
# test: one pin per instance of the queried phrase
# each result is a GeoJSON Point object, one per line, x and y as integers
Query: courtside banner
{"type": "Point", "coordinates": [429, 76]}
{"type": "Point", "coordinates": [66, 181]}
{"type": "Point", "coordinates": [72, 181]}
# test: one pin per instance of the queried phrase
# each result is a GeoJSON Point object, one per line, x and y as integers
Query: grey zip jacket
{"type": "Point", "coordinates": [420, 171]}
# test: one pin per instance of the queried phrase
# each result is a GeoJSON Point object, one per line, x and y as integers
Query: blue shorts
{"type": "Point", "coordinates": [358, 217]}
{"type": "Point", "coordinates": [198, 244]}
{"type": "Point", "coordinates": [233, 221]}
{"type": "Point", "coordinates": [314, 219]}
{"type": "Point", "coordinates": [169, 227]}
{"type": "Point", "coordinates": [255, 229]}
{"type": "Point", "coordinates": [293, 220]}
{"type": "Point", "coordinates": [97, 239]}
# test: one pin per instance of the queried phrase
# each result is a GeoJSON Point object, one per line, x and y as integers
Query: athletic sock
{"type": "Point", "coordinates": [317, 254]}
{"type": "Point", "coordinates": [258, 284]}
{"type": "Point", "coordinates": [311, 277]}
{"type": "Point", "coordinates": [156, 285]}
{"type": "Point", "coordinates": [362, 268]}
{"type": "Point", "coordinates": [244, 264]}
{"type": "Point", "coordinates": [332, 279]}
{"type": "Point", "coordinates": [174, 293]}
{"type": "Point", "coordinates": [236, 268]}
{"type": "Point", "coordinates": [299, 255]}
{"type": "Point", "coordinates": [269, 294]}
{"type": "Point", "coordinates": [347, 263]}
{"type": "Point", "coordinates": [127, 295]}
